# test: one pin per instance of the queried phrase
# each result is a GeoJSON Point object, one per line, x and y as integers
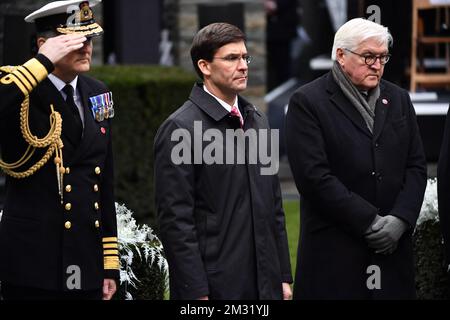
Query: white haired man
{"type": "Point", "coordinates": [358, 162]}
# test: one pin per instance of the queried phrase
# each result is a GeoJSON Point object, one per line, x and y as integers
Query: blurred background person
{"type": "Point", "coordinates": [281, 29]}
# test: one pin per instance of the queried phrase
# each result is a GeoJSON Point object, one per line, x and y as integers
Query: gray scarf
{"type": "Point", "coordinates": [365, 107]}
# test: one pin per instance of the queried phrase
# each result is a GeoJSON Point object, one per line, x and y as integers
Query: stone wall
{"type": "Point", "coordinates": [255, 24]}
{"type": "Point", "coordinates": [180, 17]}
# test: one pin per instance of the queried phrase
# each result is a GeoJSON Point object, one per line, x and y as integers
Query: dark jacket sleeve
{"type": "Point", "coordinates": [174, 189]}
{"type": "Point", "coordinates": [109, 217]}
{"type": "Point", "coordinates": [18, 82]}
{"type": "Point", "coordinates": [409, 200]}
{"type": "Point", "coordinates": [282, 240]}
{"type": "Point", "coordinates": [306, 150]}
{"type": "Point", "coordinates": [443, 182]}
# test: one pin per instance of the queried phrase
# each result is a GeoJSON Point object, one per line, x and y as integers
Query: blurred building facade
{"type": "Point", "coordinates": [246, 14]}
{"type": "Point", "coordinates": [147, 32]}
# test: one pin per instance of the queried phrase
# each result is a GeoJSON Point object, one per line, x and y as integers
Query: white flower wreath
{"type": "Point", "coordinates": [143, 240]}
{"type": "Point", "coordinates": [429, 210]}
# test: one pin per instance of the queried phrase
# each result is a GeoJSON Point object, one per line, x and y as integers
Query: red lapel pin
{"type": "Point", "coordinates": [103, 130]}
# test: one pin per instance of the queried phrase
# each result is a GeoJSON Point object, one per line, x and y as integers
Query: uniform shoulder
{"type": "Point", "coordinates": [6, 69]}
{"type": "Point", "coordinates": [95, 84]}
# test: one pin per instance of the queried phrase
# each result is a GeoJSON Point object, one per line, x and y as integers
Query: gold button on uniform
{"type": "Point", "coordinates": [96, 206]}
{"type": "Point", "coordinates": [68, 188]}
{"type": "Point", "coordinates": [67, 225]}
{"type": "Point", "coordinates": [97, 224]}
{"type": "Point", "coordinates": [97, 170]}
{"type": "Point", "coordinates": [68, 206]}
{"type": "Point", "coordinates": [95, 187]}
{"type": "Point", "coordinates": [67, 170]}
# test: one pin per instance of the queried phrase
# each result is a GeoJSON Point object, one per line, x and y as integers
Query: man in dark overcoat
{"type": "Point", "coordinates": [358, 162]}
{"type": "Point", "coordinates": [58, 231]}
{"type": "Point", "coordinates": [219, 210]}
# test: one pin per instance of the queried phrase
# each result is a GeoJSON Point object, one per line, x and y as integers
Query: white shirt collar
{"type": "Point", "coordinates": [59, 84]}
{"type": "Point", "coordinates": [223, 103]}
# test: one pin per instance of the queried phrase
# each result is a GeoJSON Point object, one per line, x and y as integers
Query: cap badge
{"type": "Point", "coordinates": [85, 12]}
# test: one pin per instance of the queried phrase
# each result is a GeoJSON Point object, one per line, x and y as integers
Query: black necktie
{"type": "Point", "coordinates": [78, 126]}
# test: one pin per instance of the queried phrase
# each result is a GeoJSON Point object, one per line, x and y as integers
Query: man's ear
{"type": "Point", "coordinates": [204, 67]}
{"type": "Point", "coordinates": [340, 56]}
{"type": "Point", "coordinates": [40, 41]}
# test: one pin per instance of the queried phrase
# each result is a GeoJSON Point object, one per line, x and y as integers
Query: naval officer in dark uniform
{"type": "Point", "coordinates": [58, 231]}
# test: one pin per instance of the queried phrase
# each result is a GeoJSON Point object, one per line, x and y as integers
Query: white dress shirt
{"type": "Point", "coordinates": [59, 84]}
{"type": "Point", "coordinates": [224, 104]}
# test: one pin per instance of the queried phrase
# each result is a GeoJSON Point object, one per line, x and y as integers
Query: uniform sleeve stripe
{"type": "Point", "coordinates": [36, 68]}
{"type": "Point", "coordinates": [27, 74]}
{"type": "Point", "coordinates": [110, 245]}
{"type": "Point", "coordinates": [111, 263]}
{"type": "Point", "coordinates": [19, 74]}
{"type": "Point", "coordinates": [110, 239]}
{"type": "Point", "coordinates": [23, 80]}
{"type": "Point", "coordinates": [19, 84]}
{"type": "Point", "coordinates": [114, 266]}
{"type": "Point", "coordinates": [113, 252]}
{"type": "Point", "coordinates": [35, 79]}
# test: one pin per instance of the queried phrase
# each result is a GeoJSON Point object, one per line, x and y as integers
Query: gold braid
{"type": "Point", "coordinates": [52, 141]}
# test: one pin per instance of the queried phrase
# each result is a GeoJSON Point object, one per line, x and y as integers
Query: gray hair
{"type": "Point", "coordinates": [353, 32]}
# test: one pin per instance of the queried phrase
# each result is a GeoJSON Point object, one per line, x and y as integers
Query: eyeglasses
{"type": "Point", "coordinates": [234, 58]}
{"type": "Point", "coordinates": [370, 59]}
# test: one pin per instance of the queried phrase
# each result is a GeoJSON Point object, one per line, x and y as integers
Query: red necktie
{"type": "Point", "coordinates": [235, 113]}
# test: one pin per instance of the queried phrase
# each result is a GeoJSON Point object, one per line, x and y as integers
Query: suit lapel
{"type": "Point", "coordinates": [338, 98]}
{"type": "Point", "coordinates": [212, 107]}
{"type": "Point", "coordinates": [207, 103]}
{"type": "Point", "coordinates": [90, 126]}
{"type": "Point", "coordinates": [381, 111]}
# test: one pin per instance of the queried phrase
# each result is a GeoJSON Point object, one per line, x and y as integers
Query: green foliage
{"type": "Point", "coordinates": [431, 278]}
{"type": "Point", "coordinates": [143, 98]}
{"type": "Point", "coordinates": [292, 215]}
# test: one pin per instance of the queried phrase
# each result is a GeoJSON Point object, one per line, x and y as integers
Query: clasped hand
{"type": "Point", "coordinates": [384, 233]}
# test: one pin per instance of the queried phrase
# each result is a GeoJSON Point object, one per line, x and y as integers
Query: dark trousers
{"type": "Point", "coordinates": [13, 292]}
